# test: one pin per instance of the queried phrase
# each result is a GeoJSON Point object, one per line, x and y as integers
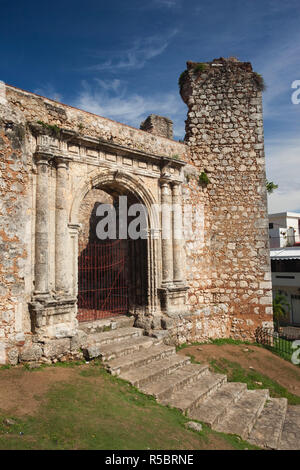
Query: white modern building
{"type": "Point", "coordinates": [284, 229]}
{"type": "Point", "coordinates": [285, 263]}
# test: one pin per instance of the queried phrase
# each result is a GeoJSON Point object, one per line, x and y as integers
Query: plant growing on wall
{"type": "Point", "coordinates": [51, 127]}
{"type": "Point", "coordinates": [182, 78]}
{"type": "Point", "coordinates": [258, 78]}
{"type": "Point", "coordinates": [200, 67]}
{"type": "Point", "coordinates": [204, 179]}
{"type": "Point", "coordinates": [271, 186]}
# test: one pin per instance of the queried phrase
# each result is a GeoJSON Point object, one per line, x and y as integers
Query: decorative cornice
{"type": "Point", "coordinates": [47, 137]}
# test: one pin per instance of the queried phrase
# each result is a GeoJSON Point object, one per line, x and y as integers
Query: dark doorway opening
{"type": "Point", "coordinates": [112, 273]}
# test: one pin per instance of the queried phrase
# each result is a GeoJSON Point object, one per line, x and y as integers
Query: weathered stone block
{"type": "Point", "coordinates": [167, 323]}
{"type": "Point", "coordinates": [57, 347]}
{"type": "Point", "coordinates": [32, 352]}
{"type": "Point", "coordinates": [156, 322]}
{"type": "Point", "coordinates": [194, 426]}
{"type": "Point", "coordinates": [143, 322]}
{"type": "Point", "coordinates": [79, 341]}
{"type": "Point", "coordinates": [13, 356]}
{"type": "Point", "coordinates": [92, 351]}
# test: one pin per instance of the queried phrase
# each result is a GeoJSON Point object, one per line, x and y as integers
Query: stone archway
{"type": "Point", "coordinates": [142, 298]}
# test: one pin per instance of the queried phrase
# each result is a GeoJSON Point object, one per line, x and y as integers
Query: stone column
{"type": "Point", "coordinates": [41, 224]}
{"type": "Point", "coordinates": [61, 226]}
{"type": "Point", "coordinates": [166, 234]}
{"type": "Point", "coordinates": [177, 233]}
{"type": "Point", "coordinates": [153, 238]}
{"type": "Point", "coordinates": [73, 230]}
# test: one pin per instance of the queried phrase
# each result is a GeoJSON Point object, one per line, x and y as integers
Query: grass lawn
{"type": "Point", "coordinates": [254, 380]}
{"type": "Point", "coordinates": [258, 367]}
{"type": "Point", "coordinates": [90, 409]}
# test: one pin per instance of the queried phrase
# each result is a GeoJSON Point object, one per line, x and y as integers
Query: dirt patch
{"type": "Point", "coordinates": [21, 390]}
{"type": "Point", "coordinates": [82, 407]}
{"type": "Point", "coordinates": [262, 360]}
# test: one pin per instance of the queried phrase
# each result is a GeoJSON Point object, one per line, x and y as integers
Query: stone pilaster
{"type": "Point", "coordinates": [172, 290]}
{"type": "Point", "coordinates": [61, 226]}
{"type": "Point", "coordinates": [177, 233]}
{"type": "Point", "coordinates": [73, 231]}
{"type": "Point", "coordinates": [41, 225]}
{"type": "Point", "coordinates": [53, 317]}
{"type": "Point", "coordinates": [166, 234]}
{"type": "Point", "coordinates": [153, 240]}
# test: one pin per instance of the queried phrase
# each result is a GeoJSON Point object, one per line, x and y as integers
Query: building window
{"type": "Point", "coordinates": [271, 225]}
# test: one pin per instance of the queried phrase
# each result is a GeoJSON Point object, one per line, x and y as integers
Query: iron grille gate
{"type": "Point", "coordinates": [102, 280]}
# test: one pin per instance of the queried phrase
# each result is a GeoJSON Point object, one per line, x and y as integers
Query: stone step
{"type": "Point", "coordinates": [97, 340]}
{"type": "Point", "coordinates": [122, 321]}
{"type": "Point", "coordinates": [191, 396]}
{"type": "Point", "coordinates": [112, 323]}
{"type": "Point", "coordinates": [178, 379]}
{"type": "Point", "coordinates": [242, 415]}
{"type": "Point", "coordinates": [141, 376]}
{"type": "Point", "coordinates": [123, 348]}
{"type": "Point", "coordinates": [140, 358]}
{"type": "Point", "coordinates": [267, 430]}
{"type": "Point", "coordinates": [213, 410]}
{"type": "Point", "coordinates": [290, 439]}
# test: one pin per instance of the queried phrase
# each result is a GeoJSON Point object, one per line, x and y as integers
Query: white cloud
{"type": "Point", "coordinates": [168, 3]}
{"type": "Point", "coordinates": [136, 56]}
{"type": "Point", "coordinates": [284, 201]}
{"type": "Point", "coordinates": [116, 103]}
{"type": "Point", "coordinates": [279, 66]}
{"type": "Point", "coordinates": [278, 63]}
{"type": "Point", "coordinates": [283, 157]}
{"type": "Point", "coordinates": [48, 91]}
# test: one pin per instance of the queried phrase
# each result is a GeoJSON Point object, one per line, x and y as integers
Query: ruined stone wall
{"type": "Point", "coordinates": [228, 266]}
{"type": "Point", "coordinates": [226, 252]}
{"type": "Point", "coordinates": [20, 114]}
{"type": "Point", "coordinates": [15, 231]}
{"type": "Point", "coordinates": [158, 125]}
{"type": "Point", "coordinates": [36, 108]}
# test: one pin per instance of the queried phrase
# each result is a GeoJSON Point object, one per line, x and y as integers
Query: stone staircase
{"type": "Point", "coordinates": [156, 369]}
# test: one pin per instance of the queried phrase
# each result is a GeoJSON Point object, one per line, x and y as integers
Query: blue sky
{"type": "Point", "coordinates": [122, 60]}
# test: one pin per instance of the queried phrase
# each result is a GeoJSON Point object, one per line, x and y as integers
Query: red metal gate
{"type": "Point", "coordinates": [102, 280]}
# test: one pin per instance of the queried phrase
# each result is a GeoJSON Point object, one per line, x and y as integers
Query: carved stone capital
{"type": "Point", "coordinates": [42, 156]}
{"type": "Point", "coordinates": [165, 181]}
{"type": "Point", "coordinates": [62, 160]}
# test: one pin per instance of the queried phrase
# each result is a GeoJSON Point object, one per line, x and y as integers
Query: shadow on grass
{"type": "Point", "coordinates": [98, 411]}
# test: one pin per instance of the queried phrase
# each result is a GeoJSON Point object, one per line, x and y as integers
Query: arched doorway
{"type": "Point", "coordinates": [115, 183]}
{"type": "Point", "coordinates": [112, 267]}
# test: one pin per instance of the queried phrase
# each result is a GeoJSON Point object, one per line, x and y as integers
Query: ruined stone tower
{"type": "Point", "coordinates": [229, 278]}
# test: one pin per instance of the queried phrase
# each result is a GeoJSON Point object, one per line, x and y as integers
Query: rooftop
{"type": "Point", "coordinates": [285, 253]}
{"type": "Point", "coordinates": [286, 214]}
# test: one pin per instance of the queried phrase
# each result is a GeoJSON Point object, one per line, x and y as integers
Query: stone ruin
{"type": "Point", "coordinates": [209, 279]}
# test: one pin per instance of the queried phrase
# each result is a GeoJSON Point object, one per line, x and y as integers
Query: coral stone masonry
{"type": "Point", "coordinates": [210, 278]}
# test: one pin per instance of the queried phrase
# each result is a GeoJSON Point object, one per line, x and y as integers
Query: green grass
{"type": "Point", "coordinates": [97, 411]}
{"type": "Point", "coordinates": [217, 342]}
{"type": "Point", "coordinates": [200, 67]}
{"type": "Point", "coordinates": [236, 373]}
{"type": "Point", "coordinates": [282, 348]}
{"type": "Point", "coordinates": [66, 364]}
